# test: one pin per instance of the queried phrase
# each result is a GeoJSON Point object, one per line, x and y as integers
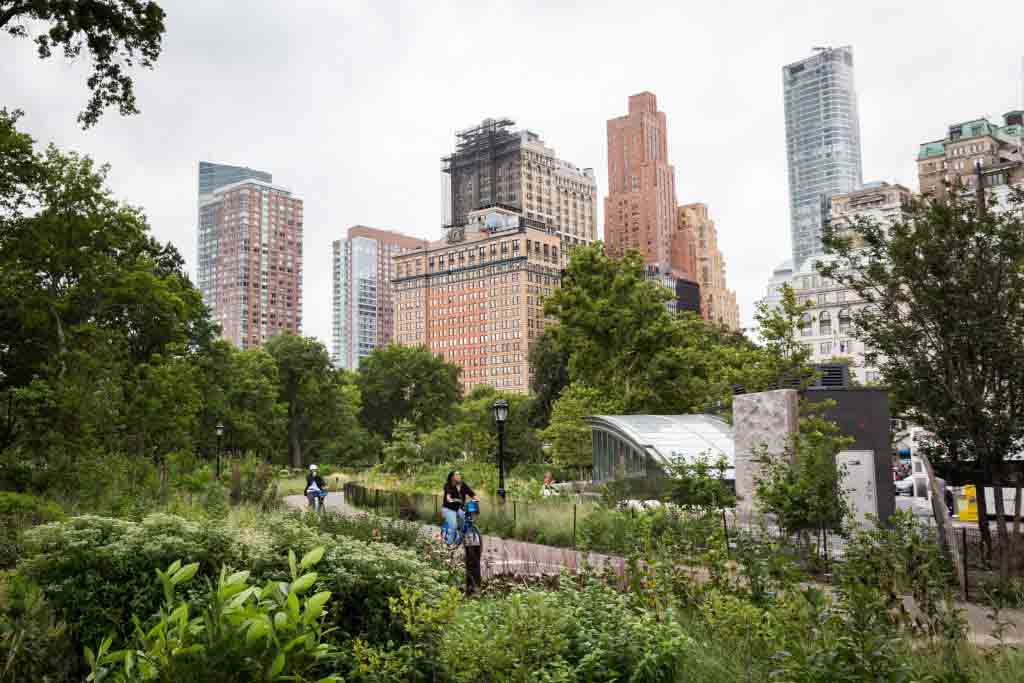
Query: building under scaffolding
{"type": "Point", "coordinates": [483, 171]}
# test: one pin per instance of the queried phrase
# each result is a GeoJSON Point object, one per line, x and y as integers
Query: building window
{"type": "Point", "coordinates": [825, 321]}
{"type": "Point", "coordinates": [844, 321]}
{"type": "Point", "coordinates": [806, 328]}
{"type": "Point", "coordinates": [825, 348]}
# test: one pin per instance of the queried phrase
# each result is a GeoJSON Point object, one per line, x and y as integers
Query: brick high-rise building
{"type": "Point", "coordinates": [640, 210]}
{"type": "Point", "coordinates": [494, 165]}
{"type": "Point", "coordinates": [718, 302]}
{"type": "Point", "coordinates": [477, 296]}
{"type": "Point", "coordinates": [249, 254]}
{"type": "Point", "coordinates": [362, 311]}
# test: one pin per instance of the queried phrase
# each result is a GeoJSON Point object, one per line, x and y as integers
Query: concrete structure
{"type": "Point", "coordinates": [249, 255]}
{"type": "Point", "coordinates": [477, 297]}
{"type": "Point", "coordinates": [362, 309]}
{"type": "Point", "coordinates": [494, 165]}
{"type": "Point", "coordinates": [781, 275]}
{"type": "Point", "coordinates": [718, 302]}
{"type": "Point", "coordinates": [640, 210]}
{"type": "Point", "coordinates": [822, 141]}
{"type": "Point", "coordinates": [952, 159]}
{"type": "Point", "coordinates": [762, 422]}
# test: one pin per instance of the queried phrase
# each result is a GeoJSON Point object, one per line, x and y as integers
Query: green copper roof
{"type": "Point", "coordinates": [932, 149]}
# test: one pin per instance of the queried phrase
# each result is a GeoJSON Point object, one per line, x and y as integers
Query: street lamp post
{"type": "Point", "coordinates": [220, 434]}
{"type": "Point", "coordinates": [500, 408]}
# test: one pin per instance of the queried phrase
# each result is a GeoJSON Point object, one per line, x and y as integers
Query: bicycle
{"type": "Point", "coordinates": [467, 533]}
{"type": "Point", "coordinates": [316, 501]}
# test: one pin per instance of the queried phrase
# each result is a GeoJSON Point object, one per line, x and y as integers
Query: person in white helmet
{"type": "Point", "coordinates": [314, 484]}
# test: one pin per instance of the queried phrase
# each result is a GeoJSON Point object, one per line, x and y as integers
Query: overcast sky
{"type": "Point", "coordinates": [352, 104]}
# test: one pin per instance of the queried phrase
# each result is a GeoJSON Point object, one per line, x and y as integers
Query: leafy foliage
{"type": "Point", "coordinates": [568, 433]}
{"type": "Point", "coordinates": [406, 382]}
{"type": "Point", "coordinates": [116, 34]}
{"type": "Point", "coordinates": [802, 486]}
{"type": "Point", "coordinates": [243, 633]}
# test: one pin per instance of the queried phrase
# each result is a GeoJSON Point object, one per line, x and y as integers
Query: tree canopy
{"type": "Point", "coordinates": [406, 383]}
{"type": "Point", "coordinates": [116, 34]}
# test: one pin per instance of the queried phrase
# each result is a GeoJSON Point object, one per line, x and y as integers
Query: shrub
{"type": "Point", "coordinates": [34, 643]}
{"type": "Point", "coordinates": [361, 576]}
{"type": "Point", "coordinates": [20, 511]}
{"type": "Point", "coordinates": [243, 633]}
{"type": "Point", "coordinates": [98, 571]}
{"type": "Point", "coordinates": [591, 634]}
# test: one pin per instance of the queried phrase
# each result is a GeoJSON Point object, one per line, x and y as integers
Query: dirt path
{"type": "Point", "coordinates": [502, 556]}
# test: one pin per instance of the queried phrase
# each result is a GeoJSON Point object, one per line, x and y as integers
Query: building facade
{"type": "Point", "coordinates": [495, 165]}
{"type": "Point", "coordinates": [250, 259]}
{"type": "Point", "coordinates": [640, 209]}
{"type": "Point", "coordinates": [952, 160]}
{"type": "Point", "coordinates": [822, 141]}
{"type": "Point", "coordinates": [827, 327]}
{"type": "Point", "coordinates": [477, 296]}
{"type": "Point", "coordinates": [362, 311]}
{"type": "Point", "coordinates": [718, 302]}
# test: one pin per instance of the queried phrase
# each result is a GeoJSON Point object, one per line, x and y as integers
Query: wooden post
{"type": "Point", "coordinates": [947, 535]}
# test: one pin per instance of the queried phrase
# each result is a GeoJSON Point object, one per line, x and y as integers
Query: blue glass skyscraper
{"type": "Point", "coordinates": [822, 142]}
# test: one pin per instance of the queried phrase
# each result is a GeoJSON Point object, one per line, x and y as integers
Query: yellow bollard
{"type": "Point", "coordinates": [969, 511]}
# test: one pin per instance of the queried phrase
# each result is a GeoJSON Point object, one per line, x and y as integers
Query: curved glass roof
{"type": "Point", "coordinates": [668, 436]}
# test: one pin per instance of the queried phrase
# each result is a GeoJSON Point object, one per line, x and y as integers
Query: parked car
{"type": "Point", "coordinates": [905, 486]}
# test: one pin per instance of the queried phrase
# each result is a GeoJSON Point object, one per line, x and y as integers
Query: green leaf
{"type": "Point", "coordinates": [304, 583]}
{"type": "Point", "coordinates": [238, 577]}
{"type": "Point", "coordinates": [312, 557]}
{"type": "Point", "coordinates": [258, 630]}
{"type": "Point", "coordinates": [184, 574]}
{"type": "Point", "coordinates": [175, 566]}
{"type": "Point", "coordinates": [315, 606]}
{"type": "Point", "coordinates": [293, 606]}
{"type": "Point", "coordinates": [280, 621]}
{"type": "Point", "coordinates": [291, 563]}
{"type": "Point", "coordinates": [276, 667]}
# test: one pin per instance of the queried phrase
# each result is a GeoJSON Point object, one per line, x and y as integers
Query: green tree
{"type": "Point", "coordinates": [335, 432]}
{"type": "Point", "coordinates": [621, 339]}
{"type": "Point", "coordinates": [568, 434]}
{"type": "Point", "coordinates": [788, 359]}
{"type": "Point", "coordinates": [116, 34]}
{"type": "Point", "coordinates": [406, 383]}
{"type": "Point", "coordinates": [550, 365]}
{"type": "Point", "coordinates": [612, 321]}
{"type": "Point", "coordinates": [87, 300]}
{"type": "Point", "coordinates": [943, 290]}
{"type": "Point", "coordinates": [302, 366]}
{"type": "Point", "coordinates": [402, 454]}
{"type": "Point", "coordinates": [802, 487]}
{"type": "Point", "coordinates": [521, 443]}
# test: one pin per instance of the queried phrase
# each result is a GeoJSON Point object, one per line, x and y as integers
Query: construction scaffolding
{"type": "Point", "coordinates": [484, 170]}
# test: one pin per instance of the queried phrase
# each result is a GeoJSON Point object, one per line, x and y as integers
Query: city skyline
{"type": "Point", "coordinates": [342, 159]}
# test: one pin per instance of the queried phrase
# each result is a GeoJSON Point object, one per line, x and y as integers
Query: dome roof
{"type": "Point", "coordinates": [665, 437]}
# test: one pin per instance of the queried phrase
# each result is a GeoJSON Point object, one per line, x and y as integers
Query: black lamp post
{"type": "Point", "coordinates": [500, 408]}
{"type": "Point", "coordinates": [220, 434]}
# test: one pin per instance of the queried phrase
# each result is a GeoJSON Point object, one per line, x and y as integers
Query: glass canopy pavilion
{"type": "Point", "coordinates": [634, 446]}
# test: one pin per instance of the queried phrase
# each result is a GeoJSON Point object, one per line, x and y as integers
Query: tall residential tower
{"type": "Point", "coordinates": [249, 254]}
{"type": "Point", "coordinates": [362, 311]}
{"type": "Point", "coordinates": [822, 142]}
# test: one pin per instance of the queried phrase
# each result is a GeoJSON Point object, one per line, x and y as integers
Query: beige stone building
{"type": "Point", "coordinates": [477, 296]}
{"type": "Point", "coordinates": [717, 301]}
{"type": "Point", "coordinates": [827, 328]}
{"type": "Point", "coordinates": [997, 148]}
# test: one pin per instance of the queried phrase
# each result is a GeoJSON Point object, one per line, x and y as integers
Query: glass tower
{"type": "Point", "coordinates": [822, 142]}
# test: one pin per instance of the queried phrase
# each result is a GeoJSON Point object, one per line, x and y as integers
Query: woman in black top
{"type": "Point", "coordinates": [455, 495]}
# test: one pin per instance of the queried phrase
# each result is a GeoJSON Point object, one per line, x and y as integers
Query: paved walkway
{"type": "Point", "coordinates": [502, 556]}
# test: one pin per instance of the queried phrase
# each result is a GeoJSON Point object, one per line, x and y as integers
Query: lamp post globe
{"type": "Point", "coordinates": [220, 434]}
{"type": "Point", "coordinates": [500, 409]}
